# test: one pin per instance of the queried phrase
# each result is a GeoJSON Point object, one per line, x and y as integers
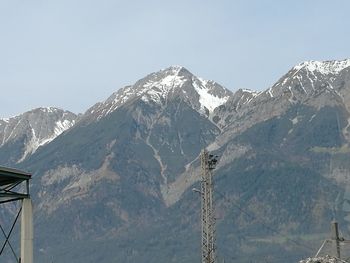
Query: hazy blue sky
{"type": "Point", "coordinates": [74, 53]}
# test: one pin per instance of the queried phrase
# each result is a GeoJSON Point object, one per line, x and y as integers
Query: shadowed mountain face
{"type": "Point", "coordinates": [116, 185]}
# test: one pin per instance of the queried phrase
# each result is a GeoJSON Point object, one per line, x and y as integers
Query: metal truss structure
{"type": "Point", "coordinates": [208, 163]}
{"type": "Point", "coordinates": [14, 186]}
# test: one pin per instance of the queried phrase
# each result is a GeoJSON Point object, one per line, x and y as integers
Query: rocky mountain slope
{"type": "Point", "coordinates": [316, 84]}
{"type": "Point", "coordinates": [22, 135]}
{"type": "Point", "coordinates": [117, 185]}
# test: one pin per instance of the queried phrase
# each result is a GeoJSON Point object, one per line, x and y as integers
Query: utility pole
{"type": "Point", "coordinates": [335, 238]}
{"type": "Point", "coordinates": [208, 163]}
{"type": "Point", "coordinates": [336, 241]}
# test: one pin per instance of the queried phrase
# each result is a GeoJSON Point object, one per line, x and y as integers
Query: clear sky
{"type": "Point", "coordinates": [73, 53]}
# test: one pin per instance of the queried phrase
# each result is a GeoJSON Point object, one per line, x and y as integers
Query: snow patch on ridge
{"type": "Point", "coordinates": [35, 141]}
{"type": "Point", "coordinates": [5, 120]}
{"type": "Point", "coordinates": [62, 126]}
{"type": "Point", "coordinates": [324, 67]}
{"type": "Point", "coordinates": [254, 93]}
{"type": "Point", "coordinates": [167, 82]}
{"type": "Point", "coordinates": [206, 99]}
{"type": "Point", "coordinates": [247, 96]}
{"type": "Point", "coordinates": [160, 89]}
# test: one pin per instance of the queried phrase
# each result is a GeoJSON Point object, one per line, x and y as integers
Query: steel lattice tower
{"type": "Point", "coordinates": [208, 163]}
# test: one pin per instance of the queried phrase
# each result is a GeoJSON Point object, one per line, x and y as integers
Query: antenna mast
{"type": "Point", "coordinates": [208, 163]}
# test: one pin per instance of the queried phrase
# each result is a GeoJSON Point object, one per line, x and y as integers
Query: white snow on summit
{"type": "Point", "coordinates": [324, 67]}
{"type": "Point", "coordinates": [156, 87]}
{"type": "Point", "coordinates": [168, 81]}
{"type": "Point", "coordinates": [307, 78]}
{"type": "Point", "coordinates": [155, 90]}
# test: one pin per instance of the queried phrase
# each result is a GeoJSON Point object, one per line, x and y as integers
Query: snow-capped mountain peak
{"type": "Point", "coordinates": [324, 67]}
{"type": "Point", "coordinates": [158, 87]}
{"type": "Point", "coordinates": [179, 80]}
{"type": "Point", "coordinates": [173, 70]}
{"type": "Point", "coordinates": [36, 128]}
{"type": "Point", "coordinates": [160, 83]}
{"type": "Point", "coordinates": [308, 78]}
{"type": "Point", "coordinates": [315, 82]}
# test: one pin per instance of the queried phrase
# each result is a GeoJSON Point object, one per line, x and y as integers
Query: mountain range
{"type": "Point", "coordinates": [114, 184]}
